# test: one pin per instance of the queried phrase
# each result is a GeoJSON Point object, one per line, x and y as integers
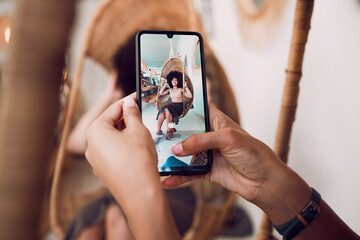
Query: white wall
{"type": "Point", "coordinates": [325, 144]}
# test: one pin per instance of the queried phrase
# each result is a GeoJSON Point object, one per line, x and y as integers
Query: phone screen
{"type": "Point", "coordinates": [172, 95]}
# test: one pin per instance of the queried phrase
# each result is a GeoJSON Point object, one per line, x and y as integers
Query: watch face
{"type": "Point", "coordinates": [311, 211]}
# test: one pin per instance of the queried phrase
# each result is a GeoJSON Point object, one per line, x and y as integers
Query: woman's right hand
{"type": "Point", "coordinates": [162, 90]}
{"type": "Point", "coordinates": [244, 165]}
{"type": "Point", "coordinates": [240, 161]}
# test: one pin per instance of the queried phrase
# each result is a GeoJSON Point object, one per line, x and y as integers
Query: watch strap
{"type": "Point", "coordinates": [303, 219]}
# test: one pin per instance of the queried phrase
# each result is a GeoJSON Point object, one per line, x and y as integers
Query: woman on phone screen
{"type": "Point", "coordinates": [172, 111]}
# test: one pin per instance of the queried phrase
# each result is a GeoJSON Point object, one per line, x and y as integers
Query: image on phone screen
{"type": "Point", "coordinates": [173, 95]}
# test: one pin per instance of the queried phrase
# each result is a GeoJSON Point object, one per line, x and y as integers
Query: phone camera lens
{"type": "Point", "coordinates": [170, 35]}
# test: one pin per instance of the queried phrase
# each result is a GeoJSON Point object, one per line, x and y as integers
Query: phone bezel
{"type": "Point", "coordinates": [191, 170]}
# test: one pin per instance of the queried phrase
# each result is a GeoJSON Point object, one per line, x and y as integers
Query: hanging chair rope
{"type": "Point", "coordinates": [303, 13]}
{"type": "Point", "coordinates": [171, 53]}
{"type": "Point", "coordinates": [183, 80]}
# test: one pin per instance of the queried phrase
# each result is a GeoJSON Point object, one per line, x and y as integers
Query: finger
{"type": "Point", "coordinates": [219, 120]}
{"type": "Point", "coordinates": [120, 124]}
{"type": "Point", "coordinates": [200, 142]}
{"type": "Point", "coordinates": [113, 114]}
{"type": "Point", "coordinates": [213, 110]}
{"type": "Point", "coordinates": [132, 116]}
{"type": "Point", "coordinates": [175, 181]}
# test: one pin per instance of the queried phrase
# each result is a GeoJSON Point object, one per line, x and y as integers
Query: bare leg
{"type": "Point", "coordinates": [169, 131]}
{"type": "Point", "coordinates": [161, 119]}
{"type": "Point", "coordinates": [116, 225]}
{"type": "Point", "coordinates": [168, 119]}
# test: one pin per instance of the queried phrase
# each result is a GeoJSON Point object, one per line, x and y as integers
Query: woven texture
{"type": "Point", "coordinates": [125, 18]}
{"type": "Point", "coordinates": [303, 13]}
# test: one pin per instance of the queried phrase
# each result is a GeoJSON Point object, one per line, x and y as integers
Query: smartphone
{"type": "Point", "coordinates": [171, 93]}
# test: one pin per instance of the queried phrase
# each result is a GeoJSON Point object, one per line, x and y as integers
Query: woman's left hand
{"type": "Point", "coordinates": [120, 147]}
{"type": "Point", "coordinates": [122, 154]}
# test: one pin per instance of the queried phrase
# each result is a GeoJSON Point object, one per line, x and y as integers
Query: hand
{"type": "Point", "coordinates": [247, 166]}
{"type": "Point", "coordinates": [122, 154]}
{"type": "Point", "coordinates": [120, 148]}
{"type": "Point", "coordinates": [241, 163]}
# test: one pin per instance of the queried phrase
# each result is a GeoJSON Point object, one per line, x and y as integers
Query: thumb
{"type": "Point", "coordinates": [131, 113]}
{"type": "Point", "coordinates": [199, 142]}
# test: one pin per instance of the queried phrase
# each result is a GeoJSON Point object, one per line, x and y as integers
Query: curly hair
{"type": "Point", "coordinates": [175, 74]}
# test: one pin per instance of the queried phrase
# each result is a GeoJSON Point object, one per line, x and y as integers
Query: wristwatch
{"type": "Point", "coordinates": [303, 219]}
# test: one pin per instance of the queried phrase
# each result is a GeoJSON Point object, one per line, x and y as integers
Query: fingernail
{"type": "Point", "coordinates": [177, 148]}
{"type": "Point", "coordinates": [129, 101]}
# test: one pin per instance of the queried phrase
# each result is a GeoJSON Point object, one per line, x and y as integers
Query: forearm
{"type": "Point", "coordinates": [188, 93]}
{"type": "Point", "coordinates": [149, 215]}
{"type": "Point", "coordinates": [327, 225]}
{"type": "Point", "coordinates": [284, 195]}
{"type": "Point", "coordinates": [288, 195]}
{"type": "Point", "coordinates": [162, 90]}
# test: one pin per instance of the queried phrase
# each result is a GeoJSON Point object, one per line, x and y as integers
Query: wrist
{"type": "Point", "coordinates": [142, 192]}
{"type": "Point", "coordinates": [284, 195]}
{"type": "Point", "coordinates": [143, 197]}
{"type": "Point", "coordinates": [147, 212]}
{"type": "Point", "coordinates": [303, 219]}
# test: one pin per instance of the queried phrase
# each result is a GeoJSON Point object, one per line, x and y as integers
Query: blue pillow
{"type": "Point", "coordinates": [174, 162]}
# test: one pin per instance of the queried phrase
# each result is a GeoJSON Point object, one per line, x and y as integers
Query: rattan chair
{"type": "Point", "coordinates": [121, 20]}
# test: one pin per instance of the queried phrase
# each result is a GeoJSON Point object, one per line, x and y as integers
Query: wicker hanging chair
{"type": "Point", "coordinates": [35, 73]}
{"type": "Point", "coordinates": [174, 64]}
{"type": "Point", "coordinates": [13, 156]}
{"type": "Point", "coordinates": [214, 203]}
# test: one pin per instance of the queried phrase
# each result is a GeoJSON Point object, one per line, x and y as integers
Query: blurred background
{"type": "Point", "coordinates": [325, 142]}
